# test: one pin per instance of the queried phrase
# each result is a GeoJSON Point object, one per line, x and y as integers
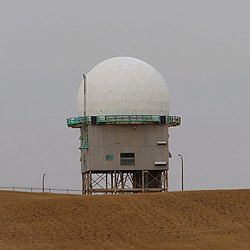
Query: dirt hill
{"type": "Point", "coordinates": [175, 220]}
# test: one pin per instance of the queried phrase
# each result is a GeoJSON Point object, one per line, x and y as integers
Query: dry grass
{"type": "Point", "coordinates": [176, 220]}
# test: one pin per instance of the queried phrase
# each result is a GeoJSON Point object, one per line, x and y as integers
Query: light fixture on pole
{"type": "Point", "coordinates": [182, 181]}
{"type": "Point", "coordinates": [43, 180]}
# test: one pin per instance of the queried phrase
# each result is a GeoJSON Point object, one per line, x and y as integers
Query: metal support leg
{"type": "Point", "coordinates": [90, 183]}
{"type": "Point", "coordinates": [166, 180]}
{"type": "Point", "coordinates": [122, 182]}
{"type": "Point", "coordinates": [83, 183]}
{"type": "Point", "coordinates": [115, 179]}
{"type": "Point", "coordinates": [106, 179]}
{"type": "Point", "coordinates": [142, 181]}
{"type": "Point", "coordinates": [112, 182]}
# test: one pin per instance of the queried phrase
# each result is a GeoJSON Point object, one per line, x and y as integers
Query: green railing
{"type": "Point", "coordinates": [127, 119]}
{"type": "Point", "coordinates": [77, 122]}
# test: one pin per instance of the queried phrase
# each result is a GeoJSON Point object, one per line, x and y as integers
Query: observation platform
{"type": "Point", "coordinates": [78, 122]}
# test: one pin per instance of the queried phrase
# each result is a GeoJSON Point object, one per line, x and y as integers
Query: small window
{"type": "Point", "coordinates": [109, 157]}
{"type": "Point", "coordinates": [127, 158]}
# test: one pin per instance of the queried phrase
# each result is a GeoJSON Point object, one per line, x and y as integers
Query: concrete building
{"type": "Point", "coordinates": [123, 117]}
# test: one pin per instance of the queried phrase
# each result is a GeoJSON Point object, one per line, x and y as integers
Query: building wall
{"type": "Point", "coordinates": [115, 139]}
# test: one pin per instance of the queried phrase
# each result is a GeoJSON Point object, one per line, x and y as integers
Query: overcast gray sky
{"type": "Point", "coordinates": [201, 48]}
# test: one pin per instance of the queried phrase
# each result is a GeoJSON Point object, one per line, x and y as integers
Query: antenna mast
{"type": "Point", "coordinates": [84, 129]}
{"type": "Point", "coordinates": [84, 93]}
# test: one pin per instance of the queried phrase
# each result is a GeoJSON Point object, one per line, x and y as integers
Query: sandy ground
{"type": "Point", "coordinates": [175, 220]}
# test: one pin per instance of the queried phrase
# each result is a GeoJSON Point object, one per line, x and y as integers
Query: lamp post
{"type": "Point", "coordinates": [43, 179]}
{"type": "Point", "coordinates": [182, 182]}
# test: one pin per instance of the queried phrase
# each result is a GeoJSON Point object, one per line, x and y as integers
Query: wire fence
{"type": "Point", "coordinates": [40, 190]}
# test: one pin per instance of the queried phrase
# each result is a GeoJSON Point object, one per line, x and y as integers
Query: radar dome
{"type": "Point", "coordinates": [124, 86]}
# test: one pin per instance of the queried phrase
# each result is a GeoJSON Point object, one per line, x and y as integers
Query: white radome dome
{"type": "Point", "coordinates": [124, 86]}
